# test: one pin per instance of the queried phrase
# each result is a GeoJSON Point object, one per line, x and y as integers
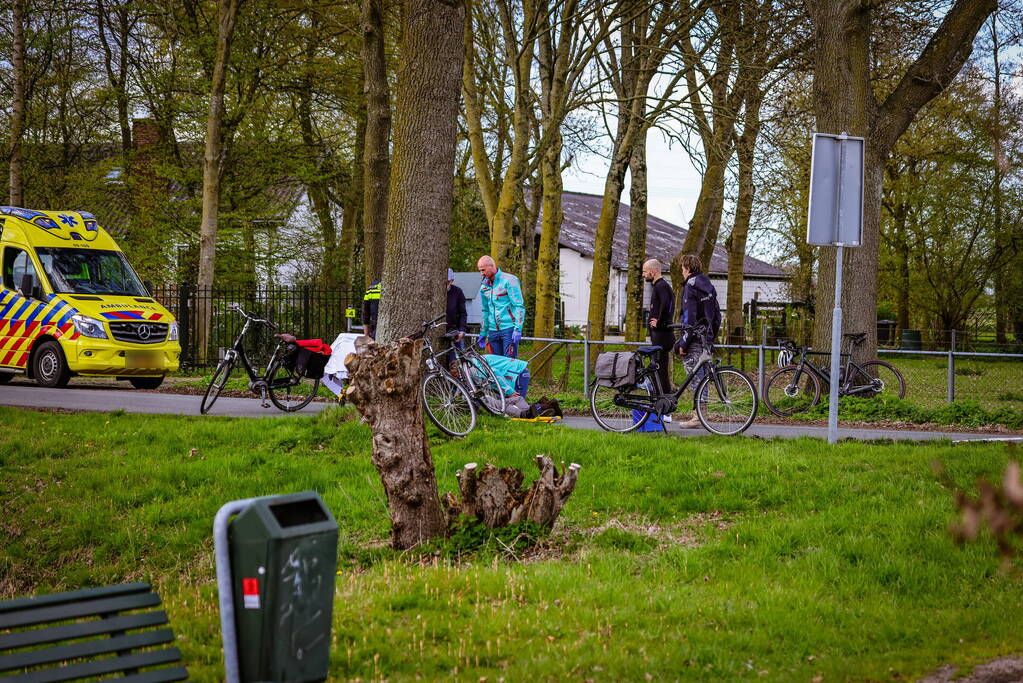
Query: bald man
{"type": "Point", "coordinates": [504, 312]}
{"type": "Point", "coordinates": [662, 306]}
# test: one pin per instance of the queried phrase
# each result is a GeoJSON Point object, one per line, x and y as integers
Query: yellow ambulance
{"type": "Point", "coordinates": [71, 304]}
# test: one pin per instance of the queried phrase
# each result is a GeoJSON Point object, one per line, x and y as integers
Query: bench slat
{"type": "Point", "coordinates": [98, 667]}
{"type": "Point", "coordinates": [53, 634]}
{"type": "Point", "coordinates": [28, 617]}
{"type": "Point", "coordinates": [177, 673]}
{"type": "Point", "coordinates": [73, 596]}
{"type": "Point", "coordinates": [88, 648]}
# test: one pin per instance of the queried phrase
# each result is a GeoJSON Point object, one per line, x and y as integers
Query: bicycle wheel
{"type": "Point", "coordinates": [217, 382]}
{"type": "Point", "coordinates": [729, 409]}
{"type": "Point", "coordinates": [606, 408]}
{"type": "Point", "coordinates": [448, 404]}
{"type": "Point", "coordinates": [482, 380]}
{"type": "Point", "coordinates": [287, 389]}
{"type": "Point", "coordinates": [887, 380]}
{"type": "Point", "coordinates": [784, 397]}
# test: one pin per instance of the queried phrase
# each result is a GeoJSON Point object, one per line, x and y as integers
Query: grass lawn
{"type": "Point", "coordinates": [696, 559]}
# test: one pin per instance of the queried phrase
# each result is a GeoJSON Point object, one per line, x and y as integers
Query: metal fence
{"type": "Point", "coordinates": [305, 312]}
{"type": "Point", "coordinates": [933, 378]}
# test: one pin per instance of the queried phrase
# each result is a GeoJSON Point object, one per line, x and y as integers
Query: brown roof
{"type": "Point", "coordinates": [663, 239]}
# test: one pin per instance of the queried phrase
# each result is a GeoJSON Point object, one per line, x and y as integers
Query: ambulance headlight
{"type": "Point", "coordinates": [172, 334]}
{"type": "Point", "coordinates": [89, 327]}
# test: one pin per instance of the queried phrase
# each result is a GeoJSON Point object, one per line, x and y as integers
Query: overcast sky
{"type": "Point", "coordinates": [673, 185]}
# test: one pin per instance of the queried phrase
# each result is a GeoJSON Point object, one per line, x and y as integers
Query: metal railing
{"type": "Point", "coordinates": [994, 380]}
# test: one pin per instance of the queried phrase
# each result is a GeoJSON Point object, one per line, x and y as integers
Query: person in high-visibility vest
{"type": "Point", "coordinates": [370, 308]}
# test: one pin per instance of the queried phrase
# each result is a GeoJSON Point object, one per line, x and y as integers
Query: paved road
{"type": "Point", "coordinates": [105, 398]}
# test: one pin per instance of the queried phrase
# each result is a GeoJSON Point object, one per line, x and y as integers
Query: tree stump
{"type": "Point", "coordinates": [494, 497]}
{"type": "Point", "coordinates": [385, 390]}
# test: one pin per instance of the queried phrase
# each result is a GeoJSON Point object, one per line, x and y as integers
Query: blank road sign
{"type": "Point", "coordinates": [836, 191]}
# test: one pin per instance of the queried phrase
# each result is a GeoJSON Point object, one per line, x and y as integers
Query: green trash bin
{"type": "Point", "coordinates": [910, 340]}
{"type": "Point", "coordinates": [283, 564]}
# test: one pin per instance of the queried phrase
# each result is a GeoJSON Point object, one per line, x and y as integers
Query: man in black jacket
{"type": "Point", "coordinates": [662, 306]}
{"type": "Point", "coordinates": [699, 301]}
{"type": "Point", "coordinates": [456, 316]}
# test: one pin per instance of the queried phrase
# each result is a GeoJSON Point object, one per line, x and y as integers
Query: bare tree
{"type": "Point", "coordinates": [846, 100]}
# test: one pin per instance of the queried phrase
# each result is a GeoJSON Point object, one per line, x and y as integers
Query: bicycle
{"type": "Point", "coordinates": [475, 373]}
{"type": "Point", "coordinates": [281, 382]}
{"type": "Point", "coordinates": [727, 403]}
{"type": "Point", "coordinates": [796, 388]}
{"type": "Point", "coordinates": [446, 401]}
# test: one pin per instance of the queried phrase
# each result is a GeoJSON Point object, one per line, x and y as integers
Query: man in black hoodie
{"type": "Point", "coordinates": [662, 308]}
{"type": "Point", "coordinates": [699, 300]}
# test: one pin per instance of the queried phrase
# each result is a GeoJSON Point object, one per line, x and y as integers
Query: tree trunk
{"type": "Point", "coordinates": [634, 328]}
{"type": "Point", "coordinates": [494, 496]}
{"type": "Point", "coordinates": [227, 16]}
{"type": "Point", "coordinates": [745, 150]}
{"type": "Point", "coordinates": [17, 100]}
{"type": "Point", "coordinates": [376, 153]}
{"type": "Point", "coordinates": [317, 167]}
{"type": "Point", "coordinates": [844, 100]}
{"type": "Point", "coordinates": [548, 273]}
{"type": "Point", "coordinates": [385, 389]}
{"type": "Point", "coordinates": [602, 242]}
{"type": "Point", "coordinates": [474, 122]}
{"type": "Point", "coordinates": [422, 171]}
{"type": "Point", "coordinates": [502, 246]}
{"type": "Point", "coordinates": [706, 214]}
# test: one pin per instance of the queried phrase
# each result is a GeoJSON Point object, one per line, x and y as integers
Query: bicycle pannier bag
{"type": "Point", "coordinates": [307, 357]}
{"type": "Point", "coordinates": [616, 369]}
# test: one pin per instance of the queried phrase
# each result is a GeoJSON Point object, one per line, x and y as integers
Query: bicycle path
{"type": "Point", "coordinates": [84, 399]}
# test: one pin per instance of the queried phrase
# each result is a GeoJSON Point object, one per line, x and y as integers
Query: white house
{"type": "Point", "coordinates": [664, 240]}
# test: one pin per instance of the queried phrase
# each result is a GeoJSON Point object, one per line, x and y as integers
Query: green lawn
{"type": "Point", "coordinates": [690, 559]}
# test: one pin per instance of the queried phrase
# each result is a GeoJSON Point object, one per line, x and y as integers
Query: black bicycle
{"type": "Point", "coordinates": [282, 383]}
{"type": "Point", "coordinates": [796, 388]}
{"type": "Point", "coordinates": [725, 400]}
{"type": "Point", "coordinates": [446, 400]}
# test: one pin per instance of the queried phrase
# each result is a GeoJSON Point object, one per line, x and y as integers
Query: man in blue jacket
{"type": "Point", "coordinates": [504, 312]}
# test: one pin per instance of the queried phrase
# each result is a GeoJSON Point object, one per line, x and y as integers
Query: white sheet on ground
{"type": "Point", "coordinates": [335, 373]}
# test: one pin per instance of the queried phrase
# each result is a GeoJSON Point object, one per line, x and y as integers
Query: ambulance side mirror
{"type": "Point", "coordinates": [148, 284]}
{"type": "Point", "coordinates": [29, 289]}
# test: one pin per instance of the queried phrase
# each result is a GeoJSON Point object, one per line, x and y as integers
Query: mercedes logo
{"type": "Point", "coordinates": [144, 331]}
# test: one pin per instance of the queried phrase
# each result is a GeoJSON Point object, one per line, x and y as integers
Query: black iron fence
{"type": "Point", "coordinates": [306, 312]}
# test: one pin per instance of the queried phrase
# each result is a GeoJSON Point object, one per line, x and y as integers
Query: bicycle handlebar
{"type": "Point", "coordinates": [238, 309]}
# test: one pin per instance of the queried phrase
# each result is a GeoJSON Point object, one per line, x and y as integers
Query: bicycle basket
{"type": "Point", "coordinates": [616, 369]}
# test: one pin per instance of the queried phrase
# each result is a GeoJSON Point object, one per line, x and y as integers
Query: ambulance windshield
{"type": "Point", "coordinates": [89, 271]}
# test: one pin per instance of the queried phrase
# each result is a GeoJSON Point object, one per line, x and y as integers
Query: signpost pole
{"type": "Point", "coordinates": [836, 351]}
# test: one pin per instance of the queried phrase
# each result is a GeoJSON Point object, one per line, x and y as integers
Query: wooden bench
{"type": "Point", "coordinates": [66, 622]}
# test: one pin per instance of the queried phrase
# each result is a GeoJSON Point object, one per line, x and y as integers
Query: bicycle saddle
{"type": "Point", "coordinates": [856, 337]}
{"type": "Point", "coordinates": [649, 349]}
{"type": "Point", "coordinates": [288, 338]}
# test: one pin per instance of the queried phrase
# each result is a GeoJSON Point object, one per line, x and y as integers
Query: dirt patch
{"type": "Point", "coordinates": [1003, 670]}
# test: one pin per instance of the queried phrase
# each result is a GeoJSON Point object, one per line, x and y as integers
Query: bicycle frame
{"type": "Point", "coordinates": [655, 403]}
{"type": "Point", "coordinates": [846, 388]}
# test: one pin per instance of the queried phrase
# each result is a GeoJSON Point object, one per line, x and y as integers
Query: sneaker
{"type": "Point", "coordinates": [666, 419]}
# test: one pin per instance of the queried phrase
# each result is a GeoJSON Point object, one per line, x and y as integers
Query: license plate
{"type": "Point", "coordinates": [142, 359]}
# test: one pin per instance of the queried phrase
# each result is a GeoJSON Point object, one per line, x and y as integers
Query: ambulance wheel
{"type": "Point", "coordinates": [49, 367]}
{"type": "Point", "coordinates": [146, 382]}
